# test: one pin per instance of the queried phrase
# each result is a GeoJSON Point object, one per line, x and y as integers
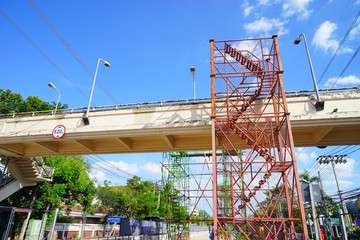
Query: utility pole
{"type": "Point", "coordinates": [342, 207]}
{"type": "Point", "coordinates": [313, 210]}
{"type": "Point", "coordinates": [43, 222]}
{"type": "Point", "coordinates": [327, 219]}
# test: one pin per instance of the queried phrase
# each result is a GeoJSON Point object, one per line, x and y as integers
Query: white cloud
{"type": "Point", "coordinates": [355, 32]}
{"type": "Point", "coordinates": [357, 2]}
{"type": "Point", "coordinates": [268, 2]}
{"type": "Point", "coordinates": [345, 174]}
{"type": "Point", "coordinates": [132, 168]}
{"type": "Point", "coordinates": [264, 2]}
{"type": "Point", "coordinates": [348, 80]}
{"type": "Point", "coordinates": [346, 170]}
{"type": "Point", "coordinates": [266, 26]}
{"type": "Point", "coordinates": [151, 168]}
{"type": "Point", "coordinates": [324, 38]}
{"type": "Point", "coordinates": [300, 8]}
{"type": "Point", "coordinates": [248, 10]}
{"type": "Point", "coordinates": [251, 46]}
{"type": "Point", "coordinates": [305, 157]}
{"type": "Point", "coordinates": [98, 175]}
{"type": "Point", "coordinates": [113, 171]}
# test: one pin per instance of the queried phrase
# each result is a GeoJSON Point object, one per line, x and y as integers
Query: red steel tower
{"type": "Point", "coordinates": [249, 111]}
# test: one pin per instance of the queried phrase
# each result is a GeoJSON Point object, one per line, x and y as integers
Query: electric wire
{"type": "Point", "coordinates": [347, 65]}
{"type": "Point", "coordinates": [339, 46]}
{"type": "Point", "coordinates": [315, 167]}
{"type": "Point", "coordinates": [42, 53]}
{"type": "Point", "coordinates": [353, 151]}
{"type": "Point", "coordinates": [100, 161]}
{"type": "Point", "coordinates": [103, 169]}
{"type": "Point", "coordinates": [68, 46]}
{"type": "Point", "coordinates": [110, 165]}
{"type": "Point", "coordinates": [324, 169]}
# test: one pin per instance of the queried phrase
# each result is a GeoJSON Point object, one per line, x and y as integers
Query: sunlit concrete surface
{"type": "Point", "coordinates": [162, 127]}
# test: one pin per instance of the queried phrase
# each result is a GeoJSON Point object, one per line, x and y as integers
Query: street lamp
{"type": "Point", "coordinates": [51, 85]}
{"type": "Point", "coordinates": [106, 64]}
{"type": "Point", "coordinates": [319, 105]}
{"type": "Point", "coordinates": [313, 210]}
{"type": "Point", "coordinates": [192, 70]}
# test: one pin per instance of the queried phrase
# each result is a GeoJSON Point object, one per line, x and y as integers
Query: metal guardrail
{"type": "Point", "coordinates": [161, 103]}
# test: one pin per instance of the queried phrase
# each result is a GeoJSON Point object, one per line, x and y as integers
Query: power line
{"type": "Point", "coordinates": [104, 170]}
{"type": "Point", "coordinates": [42, 53]}
{"type": "Point", "coordinates": [343, 151]}
{"type": "Point", "coordinates": [347, 65]}
{"type": "Point", "coordinates": [111, 167]}
{"type": "Point", "coordinates": [353, 151]}
{"type": "Point", "coordinates": [68, 46]}
{"type": "Point", "coordinates": [339, 46]}
{"type": "Point", "coordinates": [346, 150]}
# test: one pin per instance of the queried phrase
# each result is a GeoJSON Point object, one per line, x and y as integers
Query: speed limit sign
{"type": "Point", "coordinates": [58, 132]}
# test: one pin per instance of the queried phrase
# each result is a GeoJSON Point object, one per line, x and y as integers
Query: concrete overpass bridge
{"type": "Point", "coordinates": [182, 125]}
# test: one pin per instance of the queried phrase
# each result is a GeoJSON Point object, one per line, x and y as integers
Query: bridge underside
{"type": "Point", "coordinates": [165, 141]}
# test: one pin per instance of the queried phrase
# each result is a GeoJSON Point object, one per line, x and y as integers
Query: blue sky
{"type": "Point", "coordinates": [152, 44]}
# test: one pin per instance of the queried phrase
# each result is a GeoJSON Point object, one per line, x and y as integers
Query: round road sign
{"type": "Point", "coordinates": [58, 132]}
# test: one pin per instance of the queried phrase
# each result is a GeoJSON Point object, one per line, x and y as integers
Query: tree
{"type": "Point", "coordinates": [137, 199]}
{"type": "Point", "coordinates": [9, 102]}
{"type": "Point", "coordinates": [172, 203]}
{"type": "Point", "coordinates": [306, 176]}
{"type": "Point", "coordinates": [71, 184]}
{"type": "Point", "coordinates": [71, 180]}
{"type": "Point", "coordinates": [13, 103]}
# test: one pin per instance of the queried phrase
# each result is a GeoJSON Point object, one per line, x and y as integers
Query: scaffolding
{"type": "Point", "coordinates": [187, 185]}
{"type": "Point", "coordinates": [249, 109]}
{"type": "Point", "coordinates": [176, 195]}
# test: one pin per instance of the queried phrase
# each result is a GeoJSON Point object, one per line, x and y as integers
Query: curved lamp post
{"type": "Point", "coordinates": [51, 85]}
{"type": "Point", "coordinates": [106, 64]}
{"type": "Point", "coordinates": [319, 105]}
{"type": "Point", "coordinates": [192, 70]}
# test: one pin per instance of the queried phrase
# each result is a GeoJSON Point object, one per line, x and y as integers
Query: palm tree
{"type": "Point", "coordinates": [306, 176]}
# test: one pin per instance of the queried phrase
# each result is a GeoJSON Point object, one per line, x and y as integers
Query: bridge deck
{"type": "Point", "coordinates": [162, 127]}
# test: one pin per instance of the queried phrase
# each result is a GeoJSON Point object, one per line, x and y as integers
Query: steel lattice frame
{"type": "Point", "coordinates": [175, 178]}
{"type": "Point", "coordinates": [249, 105]}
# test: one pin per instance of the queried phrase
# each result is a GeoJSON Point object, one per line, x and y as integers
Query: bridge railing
{"type": "Point", "coordinates": [301, 93]}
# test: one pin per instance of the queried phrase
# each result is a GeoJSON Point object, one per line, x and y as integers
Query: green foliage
{"type": "Point", "coordinates": [137, 199]}
{"type": "Point", "coordinates": [202, 215]}
{"type": "Point", "coordinates": [33, 103]}
{"type": "Point", "coordinates": [13, 102]}
{"type": "Point", "coordinates": [306, 176]}
{"type": "Point", "coordinates": [172, 204]}
{"type": "Point", "coordinates": [9, 101]}
{"type": "Point", "coordinates": [71, 184]}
